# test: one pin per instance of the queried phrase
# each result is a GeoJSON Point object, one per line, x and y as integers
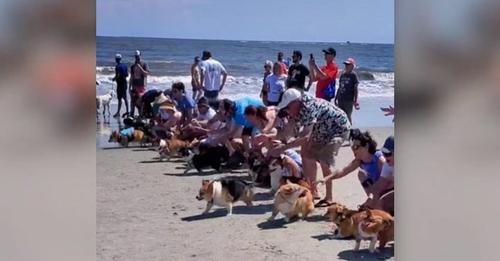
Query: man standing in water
{"type": "Point", "coordinates": [121, 74]}
{"type": "Point", "coordinates": [211, 71]}
{"type": "Point", "coordinates": [195, 79]}
{"type": "Point", "coordinates": [138, 78]}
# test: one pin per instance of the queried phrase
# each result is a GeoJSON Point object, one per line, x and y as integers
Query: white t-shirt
{"type": "Point", "coordinates": [207, 116]}
{"type": "Point", "coordinates": [276, 86]}
{"type": "Point", "coordinates": [212, 70]}
{"type": "Point", "coordinates": [387, 171]}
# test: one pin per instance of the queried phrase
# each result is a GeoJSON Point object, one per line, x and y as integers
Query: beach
{"type": "Point", "coordinates": [146, 210]}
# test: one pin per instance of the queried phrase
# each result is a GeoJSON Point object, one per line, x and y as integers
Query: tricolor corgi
{"type": "Point", "coordinates": [224, 193]}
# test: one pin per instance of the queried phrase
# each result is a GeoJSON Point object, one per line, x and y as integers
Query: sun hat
{"type": "Point", "coordinates": [388, 147]}
{"type": "Point", "coordinates": [289, 96]}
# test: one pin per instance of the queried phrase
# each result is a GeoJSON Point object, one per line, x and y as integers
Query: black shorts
{"type": "Point", "coordinates": [272, 103]}
{"type": "Point", "coordinates": [367, 183]}
{"type": "Point", "coordinates": [247, 131]}
{"type": "Point", "coordinates": [121, 90]}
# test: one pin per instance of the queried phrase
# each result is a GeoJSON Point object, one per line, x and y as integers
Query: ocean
{"type": "Point", "coordinates": [170, 60]}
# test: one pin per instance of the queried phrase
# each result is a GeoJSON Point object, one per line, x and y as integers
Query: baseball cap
{"type": "Point", "coordinates": [330, 50]}
{"type": "Point", "coordinates": [118, 56]}
{"type": "Point", "coordinates": [297, 53]}
{"type": "Point", "coordinates": [137, 53]}
{"type": "Point", "coordinates": [350, 61]}
{"type": "Point", "coordinates": [388, 145]}
{"type": "Point", "coordinates": [289, 96]}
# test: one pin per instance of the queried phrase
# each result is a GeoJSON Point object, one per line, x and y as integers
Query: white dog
{"type": "Point", "coordinates": [104, 101]}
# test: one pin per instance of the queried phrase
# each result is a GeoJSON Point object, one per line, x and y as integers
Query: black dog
{"type": "Point", "coordinates": [209, 157]}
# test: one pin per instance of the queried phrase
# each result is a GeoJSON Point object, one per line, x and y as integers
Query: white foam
{"type": "Point", "coordinates": [241, 86]}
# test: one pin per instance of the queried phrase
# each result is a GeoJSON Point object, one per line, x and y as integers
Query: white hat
{"type": "Point", "coordinates": [118, 56]}
{"type": "Point", "coordinates": [289, 96]}
{"type": "Point", "coordinates": [137, 52]}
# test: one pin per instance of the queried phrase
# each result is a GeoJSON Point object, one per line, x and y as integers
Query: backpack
{"type": "Point", "coordinates": [329, 91]}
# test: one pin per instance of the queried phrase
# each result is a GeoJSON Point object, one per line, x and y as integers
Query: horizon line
{"type": "Point", "coordinates": [159, 37]}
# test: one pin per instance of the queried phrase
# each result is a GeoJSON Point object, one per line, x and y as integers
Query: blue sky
{"type": "Point", "coordinates": [368, 21]}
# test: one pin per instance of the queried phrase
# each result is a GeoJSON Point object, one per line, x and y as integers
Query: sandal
{"type": "Point", "coordinates": [323, 203]}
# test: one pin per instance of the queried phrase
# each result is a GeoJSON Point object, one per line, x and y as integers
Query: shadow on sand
{"type": "Point", "coordinates": [157, 160]}
{"type": "Point", "coordinates": [262, 196]}
{"type": "Point", "coordinates": [237, 210]}
{"type": "Point", "coordinates": [364, 254]}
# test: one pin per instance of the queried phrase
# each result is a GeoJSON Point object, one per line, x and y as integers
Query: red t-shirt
{"type": "Point", "coordinates": [284, 68]}
{"type": "Point", "coordinates": [331, 71]}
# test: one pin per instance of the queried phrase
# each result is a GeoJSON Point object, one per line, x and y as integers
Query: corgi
{"type": "Point", "coordinates": [379, 226]}
{"type": "Point", "coordinates": [127, 135]}
{"type": "Point", "coordinates": [207, 157]}
{"type": "Point", "coordinates": [348, 224]}
{"type": "Point", "coordinates": [104, 101]}
{"type": "Point", "coordinates": [224, 193]}
{"type": "Point", "coordinates": [173, 146]}
{"type": "Point", "coordinates": [291, 200]}
{"type": "Point", "coordinates": [339, 214]}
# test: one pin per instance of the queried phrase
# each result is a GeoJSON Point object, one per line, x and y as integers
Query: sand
{"type": "Point", "coordinates": [146, 210]}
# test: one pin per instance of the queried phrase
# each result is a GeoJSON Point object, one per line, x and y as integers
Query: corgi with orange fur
{"type": "Point", "coordinates": [375, 226]}
{"type": "Point", "coordinates": [291, 200]}
{"type": "Point", "coordinates": [125, 136]}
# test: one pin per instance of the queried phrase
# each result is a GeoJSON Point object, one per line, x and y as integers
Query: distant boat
{"type": "Point", "coordinates": [348, 42]}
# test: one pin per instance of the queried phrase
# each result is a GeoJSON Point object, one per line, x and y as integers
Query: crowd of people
{"type": "Point", "coordinates": [285, 116]}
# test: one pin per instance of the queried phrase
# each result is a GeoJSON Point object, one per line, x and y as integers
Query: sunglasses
{"type": "Point", "coordinates": [387, 154]}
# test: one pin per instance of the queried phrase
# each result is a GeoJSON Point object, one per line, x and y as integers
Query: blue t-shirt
{"type": "Point", "coordinates": [121, 70]}
{"type": "Point", "coordinates": [239, 110]}
{"type": "Point", "coordinates": [185, 104]}
{"type": "Point", "coordinates": [372, 167]}
{"type": "Point", "coordinates": [127, 132]}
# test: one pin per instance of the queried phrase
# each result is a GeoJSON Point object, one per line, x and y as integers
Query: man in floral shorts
{"type": "Point", "coordinates": [325, 127]}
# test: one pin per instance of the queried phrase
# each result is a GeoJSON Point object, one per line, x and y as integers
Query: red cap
{"type": "Point", "coordinates": [350, 61]}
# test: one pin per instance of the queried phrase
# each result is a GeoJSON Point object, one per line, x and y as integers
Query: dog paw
{"type": "Point", "coordinates": [270, 219]}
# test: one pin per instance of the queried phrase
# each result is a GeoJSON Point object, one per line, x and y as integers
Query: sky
{"type": "Point", "coordinates": [365, 21]}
